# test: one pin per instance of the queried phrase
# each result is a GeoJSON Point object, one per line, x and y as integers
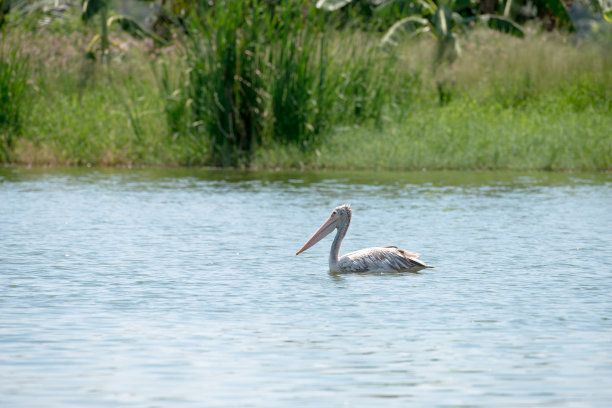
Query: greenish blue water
{"type": "Point", "coordinates": [180, 288]}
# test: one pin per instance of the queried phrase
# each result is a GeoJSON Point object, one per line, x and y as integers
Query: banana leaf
{"type": "Point", "coordinates": [331, 5]}
{"type": "Point", "coordinates": [502, 24]}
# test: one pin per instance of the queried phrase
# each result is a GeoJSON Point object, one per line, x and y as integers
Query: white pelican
{"type": "Point", "coordinates": [377, 259]}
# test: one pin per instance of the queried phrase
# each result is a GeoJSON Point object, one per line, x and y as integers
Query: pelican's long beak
{"type": "Point", "coordinates": [321, 233]}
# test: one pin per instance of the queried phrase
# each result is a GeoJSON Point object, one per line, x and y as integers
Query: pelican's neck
{"type": "Point", "coordinates": [335, 248]}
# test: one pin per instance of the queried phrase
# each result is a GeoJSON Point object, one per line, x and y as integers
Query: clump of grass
{"type": "Point", "coordinates": [515, 72]}
{"type": "Point", "coordinates": [262, 74]}
{"type": "Point", "coordinates": [225, 82]}
{"type": "Point", "coordinates": [183, 137]}
{"type": "Point", "coordinates": [14, 71]}
{"type": "Point", "coordinates": [82, 113]}
{"type": "Point", "coordinates": [465, 135]}
{"type": "Point", "coordinates": [297, 79]}
{"type": "Point", "coordinates": [364, 79]}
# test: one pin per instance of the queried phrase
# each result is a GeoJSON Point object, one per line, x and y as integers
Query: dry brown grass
{"type": "Point", "coordinates": [29, 153]}
{"type": "Point", "coordinates": [546, 60]}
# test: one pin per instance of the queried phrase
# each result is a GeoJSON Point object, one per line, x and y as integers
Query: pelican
{"type": "Point", "coordinates": [376, 259]}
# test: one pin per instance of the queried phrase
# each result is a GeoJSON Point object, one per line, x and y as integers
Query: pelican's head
{"type": "Point", "coordinates": [339, 216]}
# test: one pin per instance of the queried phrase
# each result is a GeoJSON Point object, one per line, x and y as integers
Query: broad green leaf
{"type": "Point", "coordinates": [448, 49]}
{"type": "Point", "coordinates": [502, 24]}
{"type": "Point", "coordinates": [608, 15]}
{"type": "Point", "coordinates": [93, 42]}
{"type": "Point", "coordinates": [507, 8]}
{"type": "Point", "coordinates": [424, 7]}
{"type": "Point", "coordinates": [131, 26]}
{"type": "Point", "coordinates": [412, 23]}
{"type": "Point", "coordinates": [441, 22]}
{"type": "Point", "coordinates": [91, 7]}
{"type": "Point", "coordinates": [331, 5]}
{"type": "Point", "coordinates": [429, 6]}
{"type": "Point", "coordinates": [458, 21]}
{"type": "Point", "coordinates": [560, 12]}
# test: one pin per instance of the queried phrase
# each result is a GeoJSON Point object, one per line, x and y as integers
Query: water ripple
{"type": "Point", "coordinates": [181, 288]}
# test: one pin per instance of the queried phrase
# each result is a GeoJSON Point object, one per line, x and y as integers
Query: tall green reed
{"type": "Point", "coordinates": [298, 86]}
{"type": "Point", "coordinates": [363, 83]}
{"type": "Point", "coordinates": [225, 83]}
{"type": "Point", "coordinates": [262, 73]}
{"type": "Point", "coordinates": [183, 139]}
{"type": "Point", "coordinates": [13, 84]}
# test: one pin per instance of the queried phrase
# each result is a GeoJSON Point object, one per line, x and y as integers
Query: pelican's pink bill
{"type": "Point", "coordinates": [319, 235]}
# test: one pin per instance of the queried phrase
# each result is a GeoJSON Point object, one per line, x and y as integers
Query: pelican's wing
{"type": "Point", "coordinates": [389, 258]}
{"type": "Point", "coordinates": [406, 253]}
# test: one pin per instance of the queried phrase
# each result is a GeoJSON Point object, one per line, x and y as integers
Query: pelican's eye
{"type": "Point", "coordinates": [335, 212]}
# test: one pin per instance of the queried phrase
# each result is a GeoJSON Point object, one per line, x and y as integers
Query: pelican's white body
{"type": "Point", "coordinates": [376, 259]}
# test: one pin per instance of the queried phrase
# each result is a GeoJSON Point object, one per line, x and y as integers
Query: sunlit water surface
{"type": "Point", "coordinates": [157, 288]}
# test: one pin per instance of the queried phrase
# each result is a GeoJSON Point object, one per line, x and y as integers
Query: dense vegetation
{"type": "Point", "coordinates": [439, 85]}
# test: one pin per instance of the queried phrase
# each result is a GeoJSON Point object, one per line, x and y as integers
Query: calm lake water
{"type": "Point", "coordinates": [181, 288]}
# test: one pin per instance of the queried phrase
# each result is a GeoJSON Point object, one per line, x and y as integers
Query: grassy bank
{"type": "Point", "coordinates": [543, 102]}
{"type": "Point", "coordinates": [465, 135]}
